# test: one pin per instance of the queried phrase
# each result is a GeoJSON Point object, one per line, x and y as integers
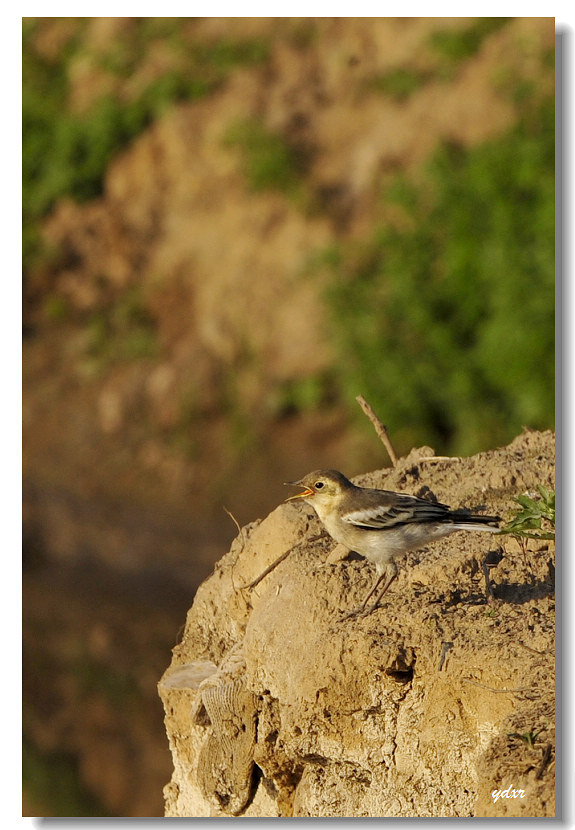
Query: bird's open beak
{"type": "Point", "coordinates": [306, 492]}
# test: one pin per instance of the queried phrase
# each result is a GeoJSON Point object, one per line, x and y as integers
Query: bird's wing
{"type": "Point", "coordinates": [394, 510]}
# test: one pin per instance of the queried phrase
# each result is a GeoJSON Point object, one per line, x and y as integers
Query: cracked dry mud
{"type": "Point", "coordinates": [275, 706]}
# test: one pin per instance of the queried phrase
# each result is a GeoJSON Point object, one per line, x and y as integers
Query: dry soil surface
{"type": "Point", "coordinates": [276, 706]}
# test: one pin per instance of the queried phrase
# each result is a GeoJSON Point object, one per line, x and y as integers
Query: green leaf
{"type": "Point", "coordinates": [531, 516]}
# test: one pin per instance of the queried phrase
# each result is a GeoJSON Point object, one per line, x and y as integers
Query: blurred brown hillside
{"type": "Point", "coordinates": [174, 323]}
{"type": "Point", "coordinates": [187, 179]}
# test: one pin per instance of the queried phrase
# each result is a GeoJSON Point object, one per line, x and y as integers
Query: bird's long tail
{"type": "Point", "coordinates": [465, 521]}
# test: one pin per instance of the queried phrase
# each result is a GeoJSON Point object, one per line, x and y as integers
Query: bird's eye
{"type": "Point", "coordinates": [318, 485]}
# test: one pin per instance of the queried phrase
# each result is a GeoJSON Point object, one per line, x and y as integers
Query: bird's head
{"type": "Point", "coordinates": [320, 486]}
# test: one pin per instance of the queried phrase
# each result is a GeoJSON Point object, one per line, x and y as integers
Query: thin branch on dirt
{"type": "Point", "coordinates": [180, 634]}
{"type": "Point", "coordinates": [267, 571]}
{"type": "Point", "coordinates": [439, 458]}
{"type": "Point", "coordinates": [281, 558]}
{"type": "Point", "coordinates": [380, 429]}
{"type": "Point", "coordinates": [488, 587]}
{"type": "Point", "coordinates": [534, 650]}
{"type": "Point", "coordinates": [445, 647]}
{"type": "Point", "coordinates": [544, 762]}
{"type": "Point", "coordinates": [497, 691]}
{"type": "Point", "coordinates": [241, 535]}
{"type": "Point", "coordinates": [237, 524]}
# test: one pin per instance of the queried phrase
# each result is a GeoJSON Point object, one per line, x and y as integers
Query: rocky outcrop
{"type": "Point", "coordinates": [439, 703]}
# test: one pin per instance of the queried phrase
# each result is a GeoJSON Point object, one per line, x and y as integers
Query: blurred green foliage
{"type": "Point", "coordinates": [52, 780]}
{"type": "Point", "coordinates": [269, 161]}
{"type": "Point", "coordinates": [445, 320]}
{"type": "Point", "coordinates": [453, 46]}
{"type": "Point", "coordinates": [450, 47]}
{"type": "Point", "coordinates": [301, 394]}
{"type": "Point", "coordinates": [123, 331]}
{"type": "Point", "coordinates": [66, 153]}
{"type": "Point", "coordinates": [400, 83]}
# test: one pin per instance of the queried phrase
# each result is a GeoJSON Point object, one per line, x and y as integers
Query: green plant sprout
{"type": "Point", "coordinates": [531, 515]}
{"type": "Point", "coordinates": [528, 738]}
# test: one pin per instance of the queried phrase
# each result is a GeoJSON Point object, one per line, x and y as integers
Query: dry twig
{"type": "Point", "coordinates": [237, 524]}
{"type": "Point", "coordinates": [488, 587]}
{"type": "Point", "coordinates": [241, 535]}
{"type": "Point", "coordinates": [496, 691]}
{"type": "Point", "coordinates": [281, 558]}
{"type": "Point", "coordinates": [445, 647]}
{"type": "Point", "coordinates": [544, 762]}
{"type": "Point", "coordinates": [380, 428]}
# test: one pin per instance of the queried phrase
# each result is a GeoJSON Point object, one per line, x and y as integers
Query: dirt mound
{"type": "Point", "coordinates": [275, 706]}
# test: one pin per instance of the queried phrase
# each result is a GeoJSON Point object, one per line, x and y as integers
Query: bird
{"type": "Point", "coordinates": [381, 525]}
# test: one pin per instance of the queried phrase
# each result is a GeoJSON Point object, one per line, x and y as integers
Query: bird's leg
{"type": "Point", "coordinates": [376, 585]}
{"type": "Point", "coordinates": [360, 610]}
{"type": "Point", "coordinates": [390, 572]}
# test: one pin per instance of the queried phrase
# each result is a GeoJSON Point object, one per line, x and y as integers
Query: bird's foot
{"type": "Point", "coordinates": [359, 612]}
{"type": "Point", "coordinates": [351, 614]}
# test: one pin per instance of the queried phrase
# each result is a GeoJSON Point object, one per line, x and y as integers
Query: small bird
{"type": "Point", "coordinates": [379, 524]}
